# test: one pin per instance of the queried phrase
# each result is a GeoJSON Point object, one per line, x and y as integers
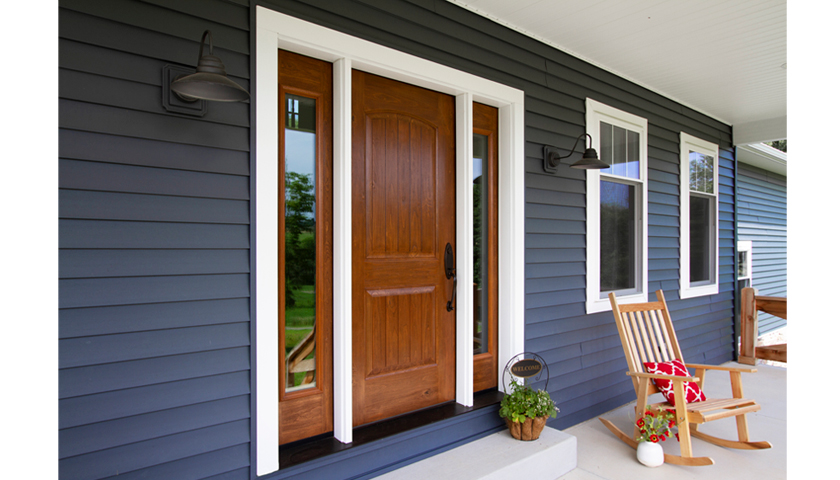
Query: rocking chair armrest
{"type": "Point", "coordinates": [720, 367]}
{"type": "Point", "coordinates": [673, 378]}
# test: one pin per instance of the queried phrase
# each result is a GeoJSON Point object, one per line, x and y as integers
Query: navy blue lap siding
{"type": "Point", "coordinates": [156, 242]}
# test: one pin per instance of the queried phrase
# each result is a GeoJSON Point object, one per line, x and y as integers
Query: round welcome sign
{"type": "Point", "coordinates": [527, 366]}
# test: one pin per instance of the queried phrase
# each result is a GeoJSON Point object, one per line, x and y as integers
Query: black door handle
{"type": "Point", "coordinates": [449, 269]}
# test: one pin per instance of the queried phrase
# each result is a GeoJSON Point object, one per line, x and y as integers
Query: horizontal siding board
{"type": "Point", "coordinates": [220, 11]}
{"type": "Point", "coordinates": [120, 460]}
{"type": "Point", "coordinates": [102, 349]}
{"type": "Point", "coordinates": [89, 380]}
{"type": "Point", "coordinates": [120, 234]}
{"type": "Point", "coordinates": [81, 322]}
{"type": "Point", "coordinates": [82, 175]}
{"type": "Point", "coordinates": [175, 23]}
{"type": "Point", "coordinates": [88, 409]}
{"type": "Point", "coordinates": [130, 263]}
{"type": "Point", "coordinates": [81, 27]}
{"type": "Point", "coordinates": [202, 466]}
{"type": "Point", "coordinates": [95, 292]}
{"type": "Point", "coordinates": [91, 117]}
{"type": "Point", "coordinates": [94, 59]}
{"type": "Point", "coordinates": [97, 147]}
{"type": "Point", "coordinates": [83, 204]}
{"type": "Point", "coordinates": [116, 433]}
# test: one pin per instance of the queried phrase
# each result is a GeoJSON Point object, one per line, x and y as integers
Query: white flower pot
{"type": "Point", "coordinates": [650, 454]}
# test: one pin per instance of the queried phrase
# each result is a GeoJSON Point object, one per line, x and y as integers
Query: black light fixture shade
{"type": "Point", "coordinates": [209, 82]}
{"type": "Point", "coordinates": [590, 160]}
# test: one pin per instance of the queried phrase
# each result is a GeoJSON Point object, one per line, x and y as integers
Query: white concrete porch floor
{"type": "Point", "coordinates": [602, 456]}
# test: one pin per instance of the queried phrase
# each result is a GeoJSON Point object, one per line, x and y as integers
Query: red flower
{"type": "Point", "coordinates": [647, 413]}
{"type": "Point", "coordinates": [654, 439]}
{"type": "Point", "coordinates": [671, 424]}
{"type": "Point", "coordinates": [640, 422]}
{"type": "Point", "coordinates": [678, 436]}
{"type": "Point", "coordinates": [662, 438]}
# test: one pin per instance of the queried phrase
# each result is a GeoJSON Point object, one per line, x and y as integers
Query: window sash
{"type": "Point", "coordinates": [629, 167]}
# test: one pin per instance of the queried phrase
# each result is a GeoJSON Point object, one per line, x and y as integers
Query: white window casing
{"type": "Point", "coordinates": [688, 144]}
{"type": "Point", "coordinates": [279, 31]}
{"type": "Point", "coordinates": [597, 301]}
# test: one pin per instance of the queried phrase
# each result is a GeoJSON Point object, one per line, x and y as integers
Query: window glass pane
{"type": "Point", "coordinates": [480, 257]}
{"type": "Point", "coordinates": [299, 265]}
{"type": "Point", "coordinates": [618, 236]}
{"type": "Point", "coordinates": [701, 175]}
{"type": "Point", "coordinates": [742, 264]}
{"type": "Point", "coordinates": [620, 148]}
{"type": "Point", "coordinates": [701, 243]}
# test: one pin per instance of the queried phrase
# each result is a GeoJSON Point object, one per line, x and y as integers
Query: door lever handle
{"type": "Point", "coordinates": [450, 305]}
{"type": "Point", "coordinates": [449, 269]}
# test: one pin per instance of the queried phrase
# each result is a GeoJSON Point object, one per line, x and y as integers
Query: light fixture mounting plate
{"type": "Point", "coordinates": [172, 102]}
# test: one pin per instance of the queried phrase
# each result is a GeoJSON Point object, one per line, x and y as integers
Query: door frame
{"type": "Point", "coordinates": [279, 31]}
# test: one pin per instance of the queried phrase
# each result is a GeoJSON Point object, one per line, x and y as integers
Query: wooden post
{"type": "Point", "coordinates": [749, 326]}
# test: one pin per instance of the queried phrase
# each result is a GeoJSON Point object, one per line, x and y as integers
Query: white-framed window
{"type": "Point", "coordinates": [745, 260]}
{"type": "Point", "coordinates": [279, 31]}
{"type": "Point", "coordinates": [616, 208]}
{"type": "Point", "coordinates": [698, 217]}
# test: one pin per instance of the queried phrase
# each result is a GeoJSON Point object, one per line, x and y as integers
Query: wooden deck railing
{"type": "Point", "coordinates": [751, 304]}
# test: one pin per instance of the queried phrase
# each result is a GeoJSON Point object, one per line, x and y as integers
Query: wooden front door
{"type": "Point", "coordinates": [403, 217]}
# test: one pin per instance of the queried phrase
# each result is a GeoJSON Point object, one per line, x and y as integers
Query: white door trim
{"type": "Point", "coordinates": [276, 30]}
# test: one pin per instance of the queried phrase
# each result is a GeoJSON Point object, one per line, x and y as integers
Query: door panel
{"type": "Point", "coordinates": [403, 216]}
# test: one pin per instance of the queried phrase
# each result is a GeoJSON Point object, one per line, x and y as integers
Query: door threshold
{"type": "Point", "coordinates": [301, 451]}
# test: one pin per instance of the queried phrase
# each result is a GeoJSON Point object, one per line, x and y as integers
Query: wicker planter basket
{"type": "Point", "coordinates": [528, 430]}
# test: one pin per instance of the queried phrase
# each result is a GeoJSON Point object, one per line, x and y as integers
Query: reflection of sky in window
{"type": "Point", "coordinates": [300, 152]}
{"type": "Point", "coordinates": [476, 168]}
{"type": "Point", "coordinates": [300, 156]}
{"type": "Point", "coordinates": [620, 149]}
{"type": "Point", "coordinates": [615, 194]}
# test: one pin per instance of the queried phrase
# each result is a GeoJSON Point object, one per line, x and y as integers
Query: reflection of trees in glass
{"type": "Point", "coordinates": [300, 234]}
{"type": "Point", "coordinates": [477, 233]}
{"type": "Point", "coordinates": [701, 174]}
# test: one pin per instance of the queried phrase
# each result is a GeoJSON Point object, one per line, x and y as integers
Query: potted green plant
{"type": "Point", "coordinates": [526, 410]}
{"type": "Point", "coordinates": [654, 427]}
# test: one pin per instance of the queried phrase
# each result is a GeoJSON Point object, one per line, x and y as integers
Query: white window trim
{"type": "Point", "coordinates": [746, 246]}
{"type": "Point", "coordinates": [691, 143]}
{"type": "Point", "coordinates": [276, 30]}
{"type": "Point", "coordinates": [595, 113]}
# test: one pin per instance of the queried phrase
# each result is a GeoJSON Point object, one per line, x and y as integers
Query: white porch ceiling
{"type": "Point", "coordinates": [724, 58]}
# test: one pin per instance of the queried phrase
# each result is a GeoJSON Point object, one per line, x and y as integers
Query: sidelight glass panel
{"type": "Point", "coordinates": [618, 237]}
{"type": "Point", "coordinates": [299, 265]}
{"type": "Point", "coordinates": [480, 254]}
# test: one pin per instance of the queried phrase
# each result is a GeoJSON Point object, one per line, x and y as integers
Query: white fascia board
{"type": "Point", "coordinates": [762, 156]}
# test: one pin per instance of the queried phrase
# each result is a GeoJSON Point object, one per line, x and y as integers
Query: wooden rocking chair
{"type": "Point", "coordinates": [647, 335]}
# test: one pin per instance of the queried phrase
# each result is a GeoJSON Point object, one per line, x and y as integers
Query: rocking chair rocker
{"type": "Point", "coordinates": [647, 335]}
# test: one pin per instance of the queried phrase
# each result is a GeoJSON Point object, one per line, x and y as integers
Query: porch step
{"type": "Point", "coordinates": [498, 457]}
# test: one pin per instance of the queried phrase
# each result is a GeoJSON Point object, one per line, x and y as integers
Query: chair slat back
{"type": "Point", "coordinates": [646, 331]}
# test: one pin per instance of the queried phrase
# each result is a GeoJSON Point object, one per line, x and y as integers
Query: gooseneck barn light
{"type": "Point", "coordinates": [209, 82]}
{"type": "Point", "coordinates": [590, 160]}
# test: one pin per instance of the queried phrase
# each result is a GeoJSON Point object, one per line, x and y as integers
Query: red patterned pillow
{"type": "Point", "coordinates": [674, 368]}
